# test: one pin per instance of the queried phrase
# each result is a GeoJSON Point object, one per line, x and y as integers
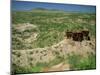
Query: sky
{"type": "Point", "coordinates": [26, 6]}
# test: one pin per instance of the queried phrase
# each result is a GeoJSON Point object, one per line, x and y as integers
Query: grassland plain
{"type": "Point", "coordinates": [39, 43]}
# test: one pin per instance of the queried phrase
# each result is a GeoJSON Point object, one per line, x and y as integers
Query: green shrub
{"type": "Point", "coordinates": [39, 67]}
{"type": "Point", "coordinates": [79, 63]}
{"type": "Point", "coordinates": [87, 63]}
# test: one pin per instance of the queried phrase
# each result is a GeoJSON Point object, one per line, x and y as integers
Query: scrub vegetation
{"type": "Point", "coordinates": [42, 29]}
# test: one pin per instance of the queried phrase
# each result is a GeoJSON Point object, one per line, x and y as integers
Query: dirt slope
{"type": "Point", "coordinates": [67, 46]}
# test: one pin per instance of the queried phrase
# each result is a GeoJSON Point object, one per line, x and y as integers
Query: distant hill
{"type": "Point", "coordinates": [44, 9]}
{"type": "Point", "coordinates": [39, 9]}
